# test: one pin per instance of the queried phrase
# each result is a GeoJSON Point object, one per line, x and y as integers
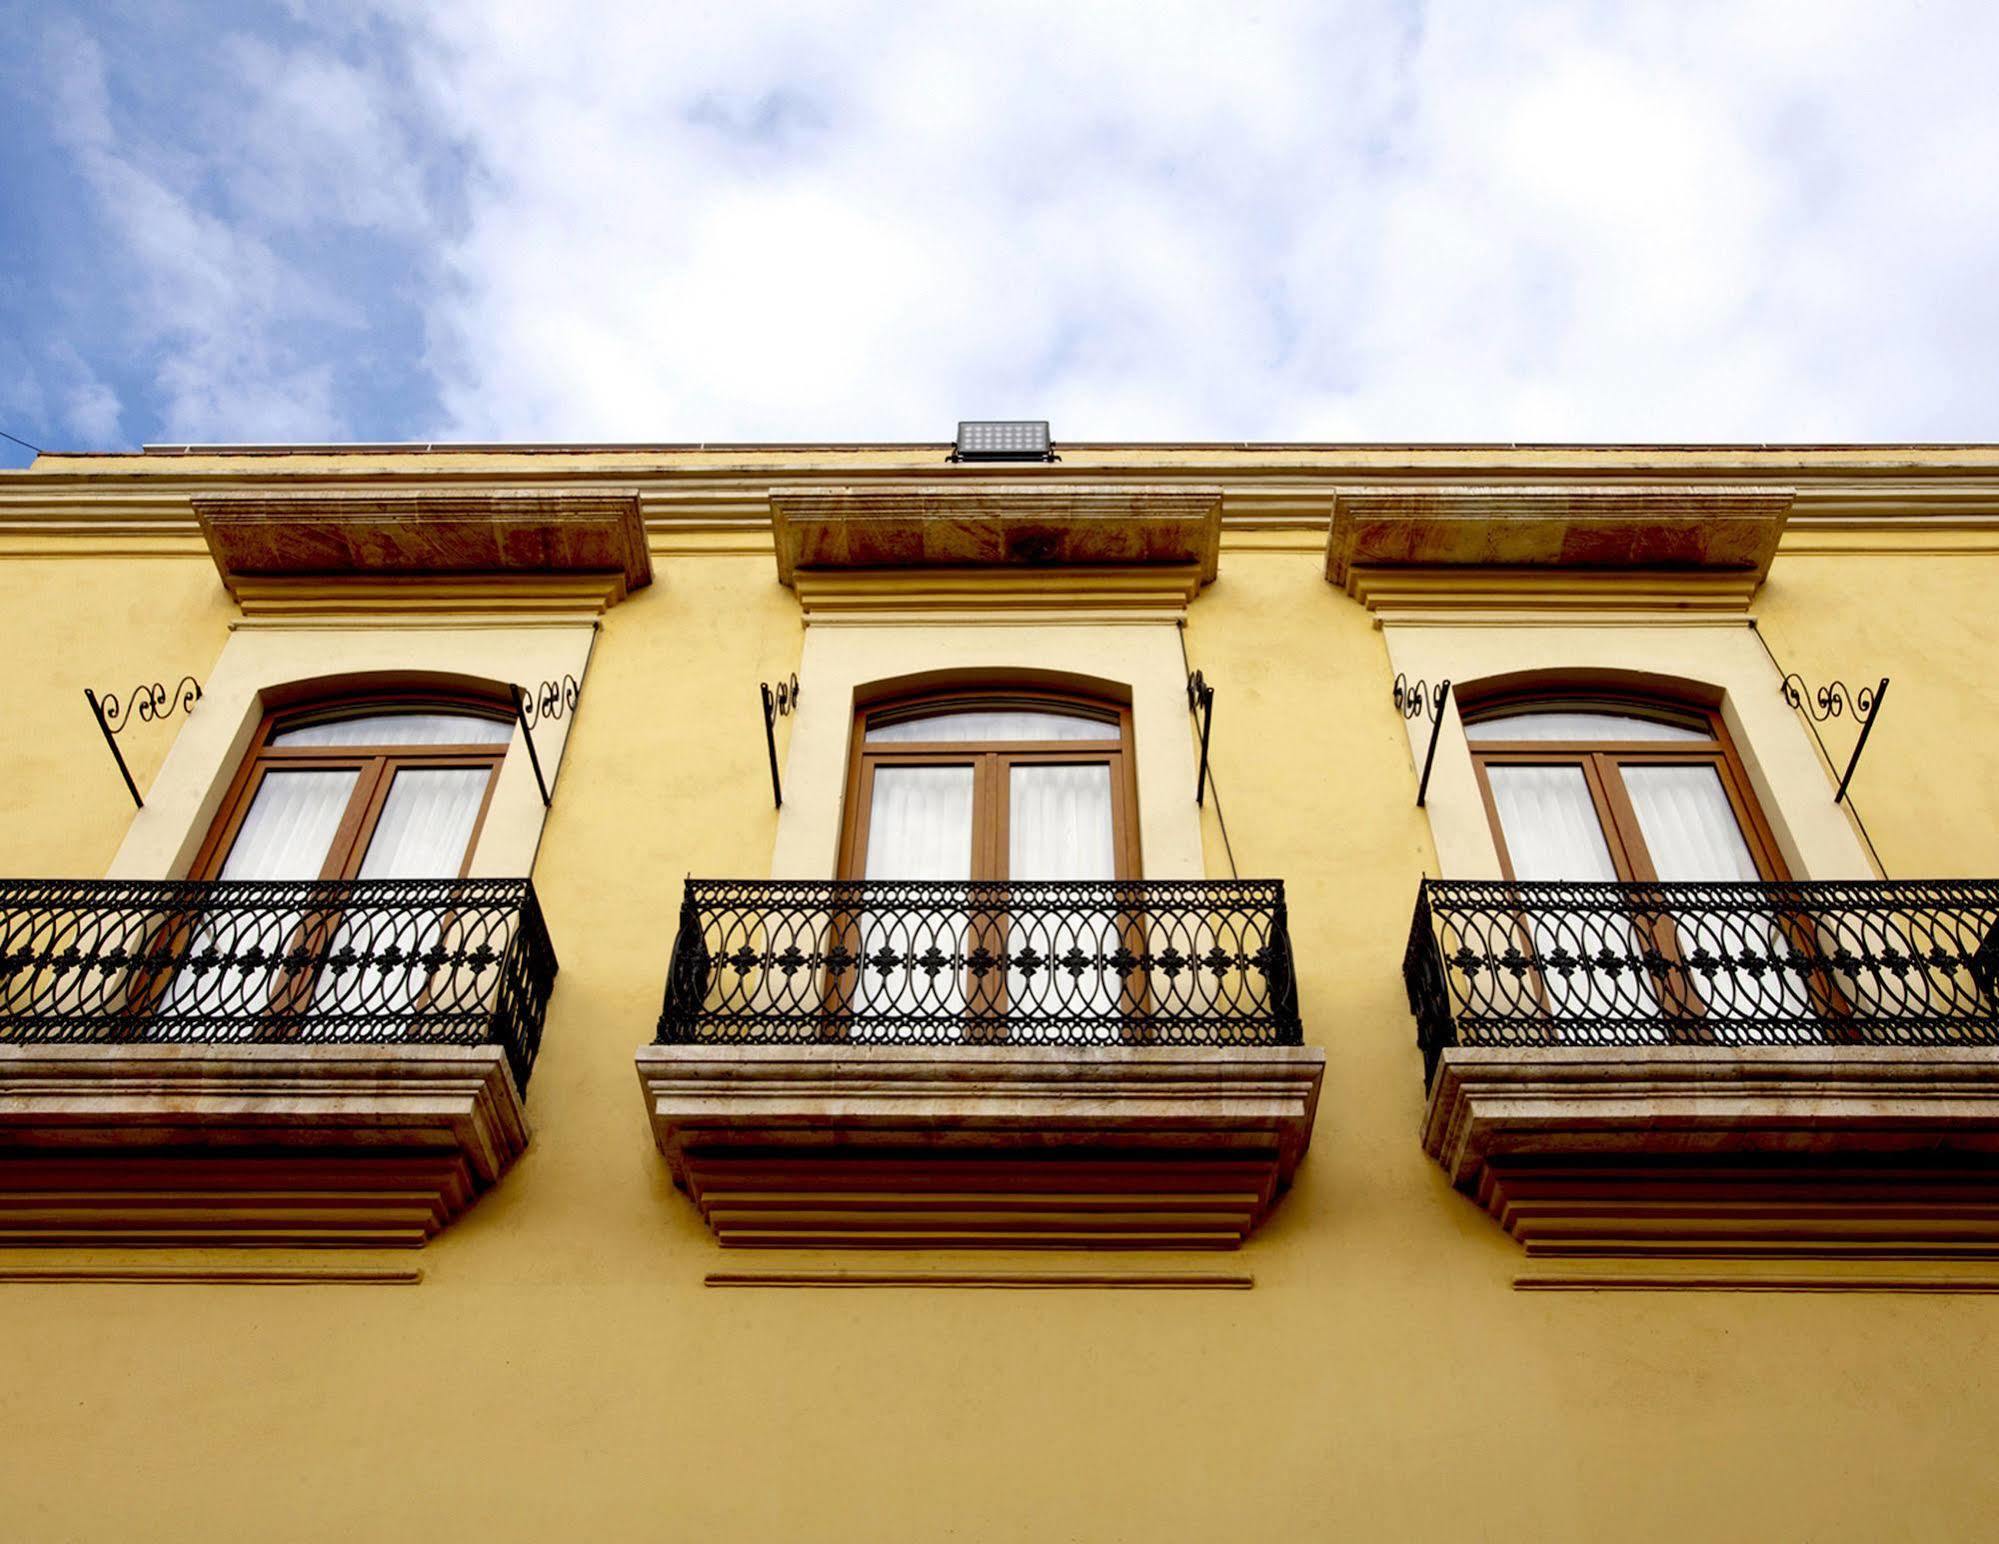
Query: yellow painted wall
{"type": "Point", "coordinates": [562, 1372]}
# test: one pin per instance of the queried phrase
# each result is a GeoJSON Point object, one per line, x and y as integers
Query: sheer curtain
{"type": "Point", "coordinates": [422, 833]}
{"type": "Point", "coordinates": [1691, 831]}
{"type": "Point", "coordinates": [1553, 833]}
{"type": "Point", "coordinates": [1059, 827]}
{"type": "Point", "coordinates": [919, 827]}
{"type": "Point", "coordinates": [286, 834]}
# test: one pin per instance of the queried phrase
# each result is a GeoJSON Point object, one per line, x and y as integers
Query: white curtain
{"type": "Point", "coordinates": [285, 835]}
{"type": "Point", "coordinates": [991, 726]}
{"type": "Point", "coordinates": [1059, 827]}
{"type": "Point", "coordinates": [1553, 833]}
{"type": "Point", "coordinates": [401, 729]}
{"type": "Point", "coordinates": [422, 833]}
{"type": "Point", "coordinates": [1691, 831]}
{"type": "Point", "coordinates": [919, 827]}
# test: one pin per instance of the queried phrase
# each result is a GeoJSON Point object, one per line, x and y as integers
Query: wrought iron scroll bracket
{"type": "Point", "coordinates": [548, 703]}
{"type": "Point", "coordinates": [778, 700]}
{"type": "Point", "coordinates": [1201, 701]}
{"type": "Point", "coordinates": [1831, 701]}
{"type": "Point", "coordinates": [146, 703]}
{"type": "Point", "coordinates": [1418, 701]}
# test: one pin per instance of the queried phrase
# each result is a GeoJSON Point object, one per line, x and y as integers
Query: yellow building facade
{"type": "Point", "coordinates": [994, 1139]}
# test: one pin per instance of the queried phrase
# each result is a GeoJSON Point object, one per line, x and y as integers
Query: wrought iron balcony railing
{"type": "Point", "coordinates": [1027, 963]}
{"type": "Point", "coordinates": [1866, 963]}
{"type": "Point", "coordinates": [439, 962]}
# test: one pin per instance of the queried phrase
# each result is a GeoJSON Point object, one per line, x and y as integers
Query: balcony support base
{"type": "Point", "coordinates": [932, 1146]}
{"type": "Point", "coordinates": [357, 1145]}
{"type": "Point", "coordinates": [1852, 1151]}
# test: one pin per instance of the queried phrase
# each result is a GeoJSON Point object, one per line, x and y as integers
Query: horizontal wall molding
{"type": "Point", "coordinates": [1154, 1281]}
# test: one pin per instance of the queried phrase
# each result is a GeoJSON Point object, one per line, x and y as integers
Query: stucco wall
{"type": "Point", "coordinates": [561, 1371]}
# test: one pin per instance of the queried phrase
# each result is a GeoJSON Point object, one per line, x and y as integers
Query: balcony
{"type": "Point", "coordinates": [1009, 1064]}
{"type": "Point", "coordinates": [333, 1062]}
{"type": "Point", "coordinates": [1716, 1069]}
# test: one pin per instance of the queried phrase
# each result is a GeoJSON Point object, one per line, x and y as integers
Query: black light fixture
{"type": "Point", "coordinates": [993, 439]}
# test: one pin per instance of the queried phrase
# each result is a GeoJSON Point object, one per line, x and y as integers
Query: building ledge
{"type": "Point", "coordinates": [536, 533]}
{"type": "Point", "coordinates": [1840, 1150]}
{"type": "Point", "coordinates": [996, 525]}
{"type": "Point", "coordinates": [358, 1145]}
{"type": "Point", "coordinates": [1605, 528]}
{"type": "Point", "coordinates": [933, 1146]}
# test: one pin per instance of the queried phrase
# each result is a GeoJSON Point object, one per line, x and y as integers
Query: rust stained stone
{"type": "Point", "coordinates": [456, 532]}
{"type": "Point", "coordinates": [996, 525]}
{"type": "Point", "coordinates": [1603, 527]}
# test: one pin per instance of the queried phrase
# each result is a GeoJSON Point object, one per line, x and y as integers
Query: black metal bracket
{"type": "Point", "coordinates": [547, 703]}
{"type": "Point", "coordinates": [780, 699]}
{"type": "Point", "coordinates": [145, 703]}
{"type": "Point", "coordinates": [1830, 701]}
{"type": "Point", "coordinates": [1201, 700]}
{"type": "Point", "coordinates": [1419, 701]}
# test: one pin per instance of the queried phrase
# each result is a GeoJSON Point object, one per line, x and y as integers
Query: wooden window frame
{"type": "Point", "coordinates": [1600, 762]}
{"type": "Point", "coordinates": [375, 767]}
{"type": "Point", "coordinates": [992, 762]}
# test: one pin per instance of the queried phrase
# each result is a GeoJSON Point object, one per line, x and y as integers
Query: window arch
{"type": "Point", "coordinates": [1590, 784]}
{"type": "Point", "coordinates": [376, 786]}
{"type": "Point", "coordinates": [991, 784]}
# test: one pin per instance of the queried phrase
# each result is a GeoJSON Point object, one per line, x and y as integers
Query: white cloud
{"type": "Point", "coordinates": [1757, 220]}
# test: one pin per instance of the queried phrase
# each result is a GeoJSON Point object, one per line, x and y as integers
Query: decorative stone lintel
{"type": "Point", "coordinates": [996, 525]}
{"type": "Point", "coordinates": [935, 1146]}
{"type": "Point", "coordinates": [1726, 1150]}
{"type": "Point", "coordinates": [1605, 527]}
{"type": "Point", "coordinates": [322, 532]}
{"type": "Point", "coordinates": [275, 1144]}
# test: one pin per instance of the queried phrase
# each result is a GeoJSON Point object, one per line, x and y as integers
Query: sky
{"type": "Point", "coordinates": [1357, 220]}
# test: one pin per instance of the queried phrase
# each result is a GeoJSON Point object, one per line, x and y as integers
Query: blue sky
{"type": "Point", "coordinates": [603, 220]}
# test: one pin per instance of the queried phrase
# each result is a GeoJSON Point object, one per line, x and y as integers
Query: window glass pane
{"type": "Point", "coordinates": [1059, 827]}
{"type": "Point", "coordinates": [1553, 833]}
{"type": "Point", "coordinates": [422, 832]}
{"type": "Point", "coordinates": [286, 835]}
{"type": "Point", "coordinates": [1688, 823]}
{"type": "Point", "coordinates": [992, 725]}
{"type": "Point", "coordinates": [920, 824]}
{"type": "Point", "coordinates": [401, 729]}
{"type": "Point", "coordinates": [1578, 726]}
{"type": "Point", "coordinates": [919, 827]}
{"type": "Point", "coordinates": [290, 825]}
{"type": "Point", "coordinates": [1059, 823]}
{"type": "Point", "coordinates": [1550, 823]}
{"type": "Point", "coordinates": [1691, 831]}
{"type": "Point", "coordinates": [425, 823]}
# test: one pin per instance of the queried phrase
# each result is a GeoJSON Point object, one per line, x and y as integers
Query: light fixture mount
{"type": "Point", "coordinates": [1001, 439]}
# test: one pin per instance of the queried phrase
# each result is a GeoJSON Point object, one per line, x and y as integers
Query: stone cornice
{"type": "Point", "coordinates": [996, 525]}
{"type": "Point", "coordinates": [1866, 500]}
{"type": "Point", "coordinates": [1596, 527]}
{"type": "Point", "coordinates": [425, 532]}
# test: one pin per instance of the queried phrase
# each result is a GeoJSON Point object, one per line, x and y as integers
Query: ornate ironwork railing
{"type": "Point", "coordinates": [1028, 963]}
{"type": "Point", "coordinates": [442, 962]}
{"type": "Point", "coordinates": [1866, 963]}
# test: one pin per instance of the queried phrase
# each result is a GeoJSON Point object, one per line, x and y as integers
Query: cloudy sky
{"type": "Point", "coordinates": [617, 220]}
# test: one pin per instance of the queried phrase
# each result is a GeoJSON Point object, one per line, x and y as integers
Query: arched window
{"type": "Point", "coordinates": [1593, 788]}
{"type": "Point", "coordinates": [1604, 788]}
{"type": "Point", "coordinates": [970, 786]}
{"type": "Point", "coordinates": [361, 789]}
